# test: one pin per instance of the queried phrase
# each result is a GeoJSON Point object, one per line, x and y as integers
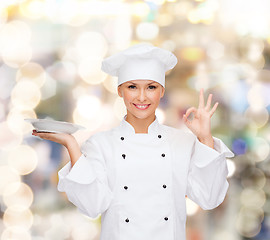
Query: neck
{"type": "Point", "coordinates": [140, 125]}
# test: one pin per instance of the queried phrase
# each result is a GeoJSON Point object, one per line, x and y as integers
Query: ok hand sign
{"type": "Point", "coordinates": [201, 122]}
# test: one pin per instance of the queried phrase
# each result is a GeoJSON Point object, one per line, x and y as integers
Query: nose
{"type": "Point", "coordinates": [142, 95]}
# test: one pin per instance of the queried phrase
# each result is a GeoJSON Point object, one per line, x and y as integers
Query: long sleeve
{"type": "Point", "coordinates": [207, 183]}
{"type": "Point", "coordinates": [86, 183]}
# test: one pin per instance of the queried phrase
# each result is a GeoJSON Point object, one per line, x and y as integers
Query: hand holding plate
{"type": "Point", "coordinates": [62, 138]}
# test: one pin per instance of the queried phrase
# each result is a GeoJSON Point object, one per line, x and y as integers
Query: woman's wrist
{"type": "Point", "coordinates": [209, 141]}
{"type": "Point", "coordinates": [70, 141]}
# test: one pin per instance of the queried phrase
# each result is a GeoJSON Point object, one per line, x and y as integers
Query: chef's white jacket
{"type": "Point", "coordinates": [138, 181]}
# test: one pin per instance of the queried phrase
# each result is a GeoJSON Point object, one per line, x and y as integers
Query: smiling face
{"type": "Point", "coordinates": [141, 97]}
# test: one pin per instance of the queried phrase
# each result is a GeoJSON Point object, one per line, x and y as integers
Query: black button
{"type": "Point", "coordinates": [166, 218]}
{"type": "Point", "coordinates": [122, 138]}
{"type": "Point", "coordinates": [164, 186]}
{"type": "Point", "coordinates": [125, 187]}
{"type": "Point", "coordinates": [127, 220]}
{"type": "Point", "coordinates": [163, 154]}
{"type": "Point", "coordinates": [159, 136]}
{"type": "Point", "coordinates": [124, 156]}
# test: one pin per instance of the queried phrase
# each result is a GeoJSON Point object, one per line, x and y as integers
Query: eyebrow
{"type": "Point", "coordinates": [147, 84]}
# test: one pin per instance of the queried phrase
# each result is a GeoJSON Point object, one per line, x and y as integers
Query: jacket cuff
{"type": "Point", "coordinates": [82, 172]}
{"type": "Point", "coordinates": [203, 154]}
{"type": "Point", "coordinates": [61, 175]}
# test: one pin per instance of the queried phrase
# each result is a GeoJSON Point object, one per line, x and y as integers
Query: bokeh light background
{"type": "Point", "coordinates": [51, 53]}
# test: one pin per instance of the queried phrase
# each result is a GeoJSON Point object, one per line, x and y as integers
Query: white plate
{"type": "Point", "coordinates": [46, 125]}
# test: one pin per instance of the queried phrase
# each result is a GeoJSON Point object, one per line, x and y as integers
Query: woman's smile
{"type": "Point", "coordinates": [141, 106]}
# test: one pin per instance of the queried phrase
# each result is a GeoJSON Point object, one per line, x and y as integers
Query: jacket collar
{"type": "Point", "coordinates": [128, 128]}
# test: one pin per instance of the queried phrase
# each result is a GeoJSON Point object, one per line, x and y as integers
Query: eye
{"type": "Point", "coordinates": [152, 87]}
{"type": "Point", "coordinates": [131, 86]}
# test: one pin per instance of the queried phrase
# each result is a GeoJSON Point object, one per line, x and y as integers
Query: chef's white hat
{"type": "Point", "coordinates": [140, 61]}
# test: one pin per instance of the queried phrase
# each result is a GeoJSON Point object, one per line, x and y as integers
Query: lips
{"type": "Point", "coordinates": [141, 106]}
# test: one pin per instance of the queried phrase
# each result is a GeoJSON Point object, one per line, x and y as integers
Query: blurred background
{"type": "Point", "coordinates": [50, 59]}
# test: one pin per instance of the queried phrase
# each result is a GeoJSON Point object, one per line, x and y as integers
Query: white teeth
{"type": "Point", "coordinates": [141, 106]}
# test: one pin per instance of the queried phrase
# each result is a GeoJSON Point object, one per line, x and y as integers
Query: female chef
{"type": "Point", "coordinates": [137, 175]}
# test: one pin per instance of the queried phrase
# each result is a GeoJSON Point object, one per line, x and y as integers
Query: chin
{"type": "Point", "coordinates": [142, 115]}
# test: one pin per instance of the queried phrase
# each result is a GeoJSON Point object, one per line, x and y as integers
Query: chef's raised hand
{"type": "Point", "coordinates": [62, 138]}
{"type": "Point", "coordinates": [200, 125]}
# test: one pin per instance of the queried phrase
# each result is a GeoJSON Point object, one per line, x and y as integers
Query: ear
{"type": "Point", "coordinates": [162, 92]}
{"type": "Point", "coordinates": [119, 91]}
